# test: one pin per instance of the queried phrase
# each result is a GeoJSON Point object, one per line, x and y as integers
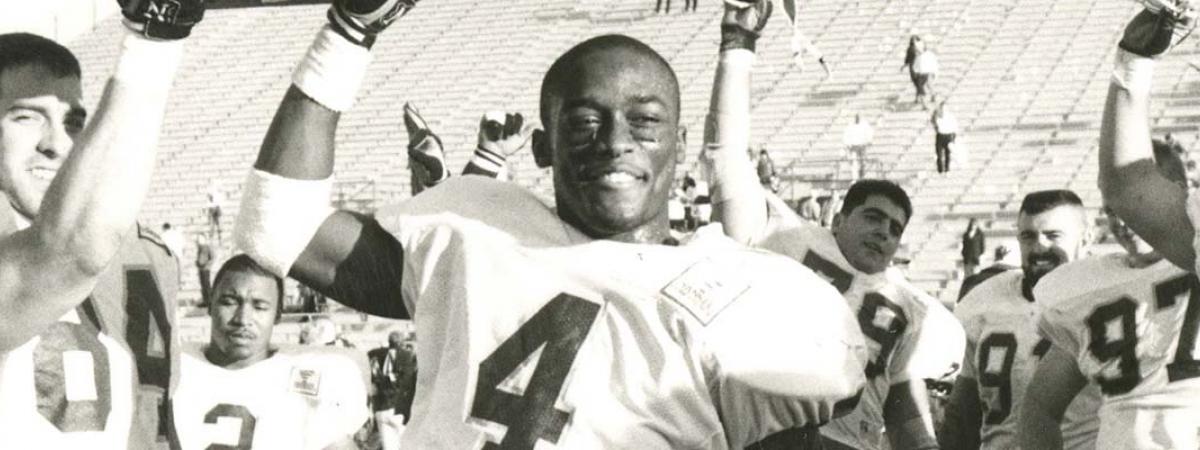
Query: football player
{"type": "Point", "coordinates": [854, 257]}
{"type": "Point", "coordinates": [1003, 346]}
{"type": "Point", "coordinates": [87, 349]}
{"type": "Point", "coordinates": [1156, 208]}
{"type": "Point", "coordinates": [1127, 323]}
{"type": "Point", "coordinates": [239, 391]}
{"type": "Point", "coordinates": [566, 327]}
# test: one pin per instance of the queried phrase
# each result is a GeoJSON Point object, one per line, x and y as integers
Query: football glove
{"type": "Point", "coordinates": [1162, 25]}
{"type": "Point", "coordinates": [743, 23]}
{"type": "Point", "coordinates": [360, 21]}
{"type": "Point", "coordinates": [426, 155]}
{"type": "Point", "coordinates": [162, 19]}
{"type": "Point", "coordinates": [503, 134]}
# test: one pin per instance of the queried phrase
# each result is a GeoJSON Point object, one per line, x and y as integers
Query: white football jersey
{"type": "Point", "coordinates": [891, 315]}
{"type": "Point", "coordinates": [69, 387]}
{"type": "Point", "coordinates": [1132, 331]}
{"type": "Point", "coordinates": [296, 399]}
{"type": "Point", "coordinates": [533, 334]}
{"type": "Point", "coordinates": [1004, 349]}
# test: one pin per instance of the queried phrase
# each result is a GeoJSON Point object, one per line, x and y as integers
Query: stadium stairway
{"type": "Point", "coordinates": [1026, 78]}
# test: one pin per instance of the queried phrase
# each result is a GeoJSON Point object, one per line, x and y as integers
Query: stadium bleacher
{"type": "Point", "coordinates": [1027, 79]}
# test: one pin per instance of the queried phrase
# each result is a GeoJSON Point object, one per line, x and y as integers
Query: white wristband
{"type": "Point", "coordinates": [148, 64]}
{"type": "Point", "coordinates": [1132, 72]}
{"type": "Point", "coordinates": [332, 70]}
{"type": "Point", "coordinates": [279, 216]}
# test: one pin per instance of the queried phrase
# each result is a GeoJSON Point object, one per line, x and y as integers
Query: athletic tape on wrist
{"type": "Point", "coordinates": [738, 59]}
{"type": "Point", "coordinates": [279, 216]}
{"type": "Point", "coordinates": [332, 70]}
{"type": "Point", "coordinates": [147, 64]}
{"type": "Point", "coordinates": [1133, 72]}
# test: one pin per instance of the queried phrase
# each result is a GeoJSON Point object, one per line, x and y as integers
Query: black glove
{"type": "Point", "coordinates": [162, 19]}
{"type": "Point", "coordinates": [361, 21]}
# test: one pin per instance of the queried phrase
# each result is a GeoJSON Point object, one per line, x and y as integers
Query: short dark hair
{"type": "Point", "coordinates": [567, 65]}
{"type": "Point", "coordinates": [1042, 201]}
{"type": "Point", "coordinates": [860, 191]}
{"type": "Point", "coordinates": [244, 263]}
{"type": "Point", "coordinates": [1167, 158]}
{"type": "Point", "coordinates": [21, 49]}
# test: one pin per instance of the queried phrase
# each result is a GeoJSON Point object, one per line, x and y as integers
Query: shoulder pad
{"type": "Point", "coordinates": [146, 234]}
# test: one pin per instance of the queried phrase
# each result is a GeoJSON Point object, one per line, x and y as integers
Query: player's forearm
{"type": "Point", "coordinates": [1126, 154]}
{"type": "Point", "coordinates": [1038, 428]}
{"type": "Point", "coordinates": [907, 418]}
{"type": "Point", "coordinates": [300, 141]}
{"type": "Point", "coordinates": [738, 200]}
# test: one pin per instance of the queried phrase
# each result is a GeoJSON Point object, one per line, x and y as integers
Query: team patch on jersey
{"type": "Point", "coordinates": [306, 381]}
{"type": "Point", "coordinates": [706, 288]}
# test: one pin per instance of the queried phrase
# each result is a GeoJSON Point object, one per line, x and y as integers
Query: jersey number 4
{"type": "Point", "coordinates": [1124, 348]}
{"type": "Point", "coordinates": [558, 329]}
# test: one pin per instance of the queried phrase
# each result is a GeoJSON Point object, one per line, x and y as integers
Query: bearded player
{"type": "Point", "coordinates": [241, 392]}
{"type": "Point", "coordinates": [854, 257]}
{"type": "Point", "coordinates": [87, 297]}
{"type": "Point", "coordinates": [1127, 323]}
{"type": "Point", "coordinates": [557, 328]}
{"type": "Point", "coordinates": [1156, 208]}
{"type": "Point", "coordinates": [1003, 346]}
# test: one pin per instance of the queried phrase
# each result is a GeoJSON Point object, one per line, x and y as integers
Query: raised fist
{"type": "Point", "coordinates": [504, 134]}
{"type": "Point", "coordinates": [750, 15]}
{"type": "Point", "coordinates": [162, 19]}
{"type": "Point", "coordinates": [1152, 32]}
{"type": "Point", "coordinates": [426, 156]}
{"type": "Point", "coordinates": [361, 21]}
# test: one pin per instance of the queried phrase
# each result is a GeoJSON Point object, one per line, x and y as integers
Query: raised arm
{"type": "Point", "coordinates": [286, 222]}
{"type": "Point", "coordinates": [739, 202]}
{"type": "Point", "coordinates": [1156, 208]}
{"type": "Point", "coordinates": [96, 195]}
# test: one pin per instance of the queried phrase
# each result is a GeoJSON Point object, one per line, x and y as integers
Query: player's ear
{"type": "Point", "coordinates": [837, 222]}
{"type": "Point", "coordinates": [542, 154]}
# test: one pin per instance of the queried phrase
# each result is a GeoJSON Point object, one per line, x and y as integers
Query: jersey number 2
{"type": "Point", "coordinates": [245, 433]}
{"type": "Point", "coordinates": [558, 329]}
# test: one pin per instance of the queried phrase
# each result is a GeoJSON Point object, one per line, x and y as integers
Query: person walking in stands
{"type": "Point", "coordinates": [204, 261]}
{"type": "Point", "coordinates": [394, 375]}
{"type": "Point", "coordinates": [946, 128]}
{"type": "Point", "coordinates": [766, 170]}
{"type": "Point", "coordinates": [973, 244]}
{"type": "Point", "coordinates": [810, 209]}
{"type": "Point", "coordinates": [857, 138]}
{"type": "Point", "coordinates": [689, 5]}
{"type": "Point", "coordinates": [658, 7]}
{"type": "Point", "coordinates": [922, 65]}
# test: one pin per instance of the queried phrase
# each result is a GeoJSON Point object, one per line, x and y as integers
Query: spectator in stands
{"type": "Point", "coordinates": [999, 265]}
{"type": "Point", "coordinates": [945, 125]}
{"type": "Point", "coordinates": [689, 5]}
{"type": "Point", "coordinates": [173, 240]}
{"type": "Point", "coordinates": [204, 261]}
{"type": "Point", "coordinates": [394, 375]}
{"type": "Point", "coordinates": [766, 170]}
{"type": "Point", "coordinates": [688, 198]}
{"type": "Point", "coordinates": [857, 138]}
{"type": "Point", "coordinates": [973, 245]}
{"type": "Point", "coordinates": [922, 65]}
{"type": "Point", "coordinates": [213, 210]}
{"type": "Point", "coordinates": [831, 208]}
{"type": "Point", "coordinates": [658, 6]}
{"type": "Point", "coordinates": [810, 209]}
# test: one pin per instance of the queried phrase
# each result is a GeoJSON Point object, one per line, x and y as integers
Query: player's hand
{"type": "Point", "coordinates": [504, 134]}
{"type": "Point", "coordinates": [361, 21]}
{"type": "Point", "coordinates": [162, 19]}
{"type": "Point", "coordinates": [426, 155]}
{"type": "Point", "coordinates": [743, 22]}
{"type": "Point", "coordinates": [1152, 31]}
